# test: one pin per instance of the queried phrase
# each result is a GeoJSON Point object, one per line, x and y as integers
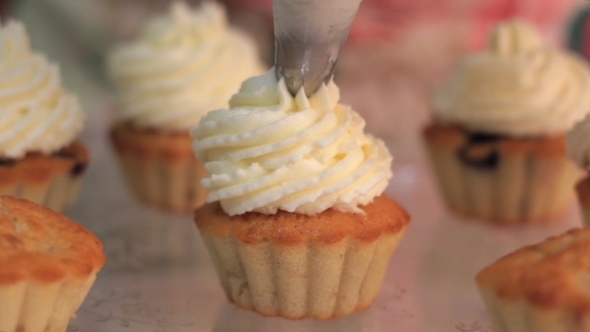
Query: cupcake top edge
{"type": "Point", "coordinates": [271, 151]}
{"type": "Point", "coordinates": [519, 86]}
{"type": "Point", "coordinates": [40, 244]}
{"type": "Point", "coordinates": [550, 274]}
{"type": "Point", "coordinates": [182, 65]}
{"type": "Point", "coordinates": [38, 113]}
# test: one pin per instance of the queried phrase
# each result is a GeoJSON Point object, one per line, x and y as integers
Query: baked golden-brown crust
{"type": "Point", "coordinates": [456, 137]}
{"type": "Point", "coordinates": [40, 244]}
{"type": "Point", "coordinates": [37, 168]}
{"type": "Point", "coordinates": [152, 143]}
{"type": "Point", "coordinates": [382, 216]}
{"type": "Point", "coordinates": [552, 274]}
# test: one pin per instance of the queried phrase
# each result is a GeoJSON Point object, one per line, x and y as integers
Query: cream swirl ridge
{"type": "Point", "coordinates": [183, 65]}
{"type": "Point", "coordinates": [271, 151]}
{"type": "Point", "coordinates": [519, 86]}
{"type": "Point", "coordinates": [38, 115]}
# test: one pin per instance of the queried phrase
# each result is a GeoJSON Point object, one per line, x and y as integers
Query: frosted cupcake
{"type": "Point", "coordinates": [497, 143]}
{"type": "Point", "coordinates": [40, 159]}
{"type": "Point", "coordinates": [297, 224]}
{"type": "Point", "coordinates": [540, 288]}
{"type": "Point", "coordinates": [181, 66]}
{"type": "Point", "coordinates": [48, 264]}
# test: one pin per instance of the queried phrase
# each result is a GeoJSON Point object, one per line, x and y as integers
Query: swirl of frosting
{"type": "Point", "coordinates": [578, 143]}
{"type": "Point", "coordinates": [272, 151]}
{"type": "Point", "coordinates": [183, 65]}
{"type": "Point", "coordinates": [38, 114]}
{"type": "Point", "coordinates": [519, 86]}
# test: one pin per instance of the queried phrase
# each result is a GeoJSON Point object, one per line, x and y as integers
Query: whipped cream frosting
{"type": "Point", "coordinates": [272, 151]}
{"type": "Point", "coordinates": [183, 65]}
{"type": "Point", "coordinates": [519, 86]}
{"type": "Point", "coordinates": [36, 113]}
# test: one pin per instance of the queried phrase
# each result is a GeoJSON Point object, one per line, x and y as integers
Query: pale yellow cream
{"type": "Point", "coordinates": [519, 86]}
{"type": "Point", "coordinates": [271, 151]}
{"type": "Point", "coordinates": [183, 65]}
{"type": "Point", "coordinates": [36, 113]}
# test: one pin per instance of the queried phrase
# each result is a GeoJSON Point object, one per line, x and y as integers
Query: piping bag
{"type": "Point", "coordinates": [309, 35]}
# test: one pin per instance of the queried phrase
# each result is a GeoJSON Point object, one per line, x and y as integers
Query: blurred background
{"type": "Point", "coordinates": [397, 53]}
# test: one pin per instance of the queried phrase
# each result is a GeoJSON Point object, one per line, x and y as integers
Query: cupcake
{"type": "Point", "coordinates": [578, 148]}
{"type": "Point", "coordinates": [497, 143]}
{"type": "Point", "coordinates": [540, 288]}
{"type": "Point", "coordinates": [296, 221]}
{"type": "Point", "coordinates": [182, 65]}
{"type": "Point", "coordinates": [40, 158]}
{"type": "Point", "coordinates": [548, 16]}
{"type": "Point", "coordinates": [48, 264]}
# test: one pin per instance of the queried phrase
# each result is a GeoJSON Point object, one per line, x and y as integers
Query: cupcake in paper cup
{"type": "Point", "coordinates": [48, 263]}
{"type": "Point", "coordinates": [40, 157]}
{"type": "Point", "coordinates": [297, 224]}
{"type": "Point", "coordinates": [497, 143]}
{"type": "Point", "coordinates": [540, 288]}
{"type": "Point", "coordinates": [182, 65]}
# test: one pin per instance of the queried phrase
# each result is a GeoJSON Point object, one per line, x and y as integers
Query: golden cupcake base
{"type": "Point", "coordinates": [499, 179]}
{"type": "Point", "coordinates": [297, 266]}
{"type": "Point", "coordinates": [50, 180]}
{"type": "Point", "coordinates": [160, 167]}
{"type": "Point", "coordinates": [47, 265]}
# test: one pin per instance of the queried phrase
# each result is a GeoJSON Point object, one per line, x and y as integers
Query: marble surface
{"type": "Point", "coordinates": [158, 276]}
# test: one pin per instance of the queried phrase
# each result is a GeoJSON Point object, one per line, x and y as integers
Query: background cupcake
{"type": "Point", "coordinates": [301, 228]}
{"type": "Point", "coordinates": [578, 148]}
{"type": "Point", "coordinates": [182, 65]}
{"type": "Point", "coordinates": [498, 139]}
{"type": "Point", "coordinates": [40, 159]}
{"type": "Point", "coordinates": [541, 287]}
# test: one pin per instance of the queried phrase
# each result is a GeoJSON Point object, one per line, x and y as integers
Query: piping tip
{"type": "Point", "coordinates": [309, 35]}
